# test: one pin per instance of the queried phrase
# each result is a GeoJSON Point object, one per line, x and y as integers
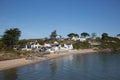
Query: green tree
{"type": "Point", "coordinates": [76, 35]}
{"type": "Point", "coordinates": [72, 35]}
{"type": "Point", "coordinates": [1, 45]}
{"type": "Point", "coordinates": [10, 37]}
{"type": "Point", "coordinates": [104, 36]}
{"type": "Point", "coordinates": [53, 35]}
{"type": "Point", "coordinates": [84, 34]}
{"type": "Point", "coordinates": [22, 43]}
{"type": "Point", "coordinates": [118, 36]}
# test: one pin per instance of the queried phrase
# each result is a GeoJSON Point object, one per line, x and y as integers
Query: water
{"type": "Point", "coordinates": [72, 67]}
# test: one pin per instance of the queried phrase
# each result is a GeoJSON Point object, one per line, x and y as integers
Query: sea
{"type": "Point", "coordinates": [89, 66]}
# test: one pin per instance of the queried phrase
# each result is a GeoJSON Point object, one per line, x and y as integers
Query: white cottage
{"type": "Point", "coordinates": [75, 38]}
{"type": "Point", "coordinates": [32, 45]}
{"type": "Point", "coordinates": [68, 46]}
{"type": "Point", "coordinates": [82, 39]}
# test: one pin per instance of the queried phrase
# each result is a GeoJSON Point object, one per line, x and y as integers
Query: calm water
{"type": "Point", "coordinates": [72, 67]}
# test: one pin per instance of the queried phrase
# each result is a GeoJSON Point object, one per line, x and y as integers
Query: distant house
{"type": "Point", "coordinates": [56, 47]}
{"type": "Point", "coordinates": [82, 39]}
{"type": "Point", "coordinates": [47, 45]}
{"type": "Point", "coordinates": [51, 47]}
{"type": "Point", "coordinates": [75, 38]}
{"type": "Point", "coordinates": [68, 46]}
{"type": "Point", "coordinates": [58, 37]}
{"type": "Point", "coordinates": [32, 45]}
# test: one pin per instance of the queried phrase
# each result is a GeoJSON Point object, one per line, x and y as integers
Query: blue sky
{"type": "Point", "coordinates": [38, 18]}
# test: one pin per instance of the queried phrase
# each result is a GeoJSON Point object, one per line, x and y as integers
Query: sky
{"type": "Point", "coordinates": [38, 18]}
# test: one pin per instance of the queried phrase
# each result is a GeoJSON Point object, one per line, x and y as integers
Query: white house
{"type": "Point", "coordinates": [58, 37]}
{"type": "Point", "coordinates": [75, 38]}
{"type": "Point", "coordinates": [68, 46]}
{"type": "Point", "coordinates": [32, 45]}
{"type": "Point", "coordinates": [47, 45]}
{"type": "Point", "coordinates": [82, 39]}
{"type": "Point", "coordinates": [57, 47]}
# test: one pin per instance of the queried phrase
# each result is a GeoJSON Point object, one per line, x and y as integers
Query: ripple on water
{"type": "Point", "coordinates": [72, 67]}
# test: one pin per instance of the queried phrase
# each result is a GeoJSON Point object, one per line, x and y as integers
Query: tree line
{"type": "Point", "coordinates": [11, 37]}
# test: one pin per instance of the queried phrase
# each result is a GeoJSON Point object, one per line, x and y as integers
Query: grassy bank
{"type": "Point", "coordinates": [13, 54]}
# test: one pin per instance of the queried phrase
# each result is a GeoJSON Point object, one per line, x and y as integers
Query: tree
{"type": "Point", "coordinates": [1, 45]}
{"type": "Point", "coordinates": [76, 35]}
{"type": "Point", "coordinates": [118, 35]}
{"type": "Point", "coordinates": [84, 34]}
{"type": "Point", "coordinates": [10, 37]}
{"type": "Point", "coordinates": [104, 36]}
{"type": "Point", "coordinates": [53, 35]}
{"type": "Point", "coordinates": [72, 35]}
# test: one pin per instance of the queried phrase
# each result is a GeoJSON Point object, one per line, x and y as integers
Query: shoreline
{"type": "Point", "coordinates": [8, 64]}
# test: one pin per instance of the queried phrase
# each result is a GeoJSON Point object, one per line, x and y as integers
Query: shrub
{"type": "Point", "coordinates": [81, 45]}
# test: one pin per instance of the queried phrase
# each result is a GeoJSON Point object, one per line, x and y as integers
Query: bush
{"type": "Point", "coordinates": [81, 45]}
{"type": "Point", "coordinates": [110, 44]}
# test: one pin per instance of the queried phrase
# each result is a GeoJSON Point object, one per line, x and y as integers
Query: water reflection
{"type": "Point", "coordinates": [72, 67]}
{"type": "Point", "coordinates": [53, 68]}
{"type": "Point", "coordinates": [10, 74]}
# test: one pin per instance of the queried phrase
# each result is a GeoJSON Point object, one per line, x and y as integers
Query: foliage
{"type": "Point", "coordinates": [1, 45]}
{"type": "Point", "coordinates": [22, 43]}
{"type": "Point", "coordinates": [49, 41]}
{"type": "Point", "coordinates": [118, 34]}
{"type": "Point", "coordinates": [84, 34]}
{"type": "Point", "coordinates": [41, 42]}
{"type": "Point", "coordinates": [72, 35]}
{"type": "Point", "coordinates": [53, 35]}
{"type": "Point", "coordinates": [104, 36]}
{"type": "Point", "coordinates": [10, 37]}
{"type": "Point", "coordinates": [81, 45]}
{"type": "Point", "coordinates": [110, 43]}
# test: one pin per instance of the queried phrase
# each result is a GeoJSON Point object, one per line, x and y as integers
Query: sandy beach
{"type": "Point", "coordinates": [21, 62]}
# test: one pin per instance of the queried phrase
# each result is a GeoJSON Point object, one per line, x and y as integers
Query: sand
{"type": "Point", "coordinates": [22, 62]}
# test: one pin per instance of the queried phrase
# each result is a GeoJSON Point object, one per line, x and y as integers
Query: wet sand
{"type": "Point", "coordinates": [21, 62]}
